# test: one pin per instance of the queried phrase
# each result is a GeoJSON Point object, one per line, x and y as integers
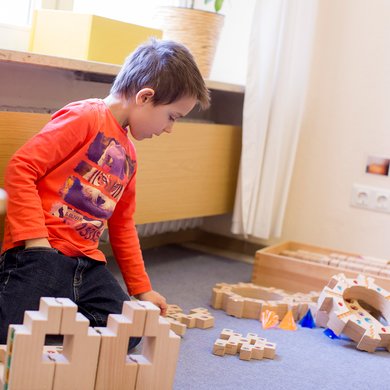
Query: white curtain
{"type": "Point", "coordinates": [280, 52]}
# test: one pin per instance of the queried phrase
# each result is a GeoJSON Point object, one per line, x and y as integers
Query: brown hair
{"type": "Point", "coordinates": [165, 66]}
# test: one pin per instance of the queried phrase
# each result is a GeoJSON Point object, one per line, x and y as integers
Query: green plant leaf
{"type": "Point", "coordinates": [218, 5]}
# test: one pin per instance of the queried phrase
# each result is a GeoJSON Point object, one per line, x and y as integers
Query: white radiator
{"type": "Point", "coordinates": [151, 229]}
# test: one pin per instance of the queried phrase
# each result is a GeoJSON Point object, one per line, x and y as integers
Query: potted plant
{"type": "Point", "coordinates": [198, 29]}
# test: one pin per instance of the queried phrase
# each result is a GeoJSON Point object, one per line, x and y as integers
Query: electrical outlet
{"type": "Point", "coordinates": [371, 198]}
{"type": "Point", "coordinates": [381, 200]}
{"type": "Point", "coordinates": [360, 196]}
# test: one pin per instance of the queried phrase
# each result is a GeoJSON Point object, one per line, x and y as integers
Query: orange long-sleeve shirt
{"type": "Point", "coordinates": [72, 179]}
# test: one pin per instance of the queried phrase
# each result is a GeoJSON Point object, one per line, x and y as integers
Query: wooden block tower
{"type": "Point", "coordinates": [91, 358]}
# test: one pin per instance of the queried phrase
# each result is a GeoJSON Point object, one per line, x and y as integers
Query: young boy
{"type": "Point", "coordinates": [77, 176]}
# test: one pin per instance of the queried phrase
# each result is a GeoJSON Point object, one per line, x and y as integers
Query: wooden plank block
{"type": "Point", "coordinates": [77, 364]}
{"type": "Point", "coordinates": [160, 352]}
{"type": "Point", "coordinates": [30, 368]}
{"type": "Point", "coordinates": [115, 369]}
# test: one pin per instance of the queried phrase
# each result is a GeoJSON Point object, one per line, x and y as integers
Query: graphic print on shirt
{"type": "Point", "coordinates": [110, 156]}
{"type": "Point", "coordinates": [87, 198]}
{"type": "Point", "coordinates": [100, 179]}
{"type": "Point", "coordinates": [95, 188]}
{"type": "Point", "coordinates": [88, 228]}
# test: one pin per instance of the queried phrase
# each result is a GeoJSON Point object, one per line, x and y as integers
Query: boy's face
{"type": "Point", "coordinates": [146, 120]}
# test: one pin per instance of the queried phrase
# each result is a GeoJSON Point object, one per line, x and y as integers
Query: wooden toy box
{"type": "Point", "coordinates": [86, 37]}
{"type": "Point", "coordinates": [274, 269]}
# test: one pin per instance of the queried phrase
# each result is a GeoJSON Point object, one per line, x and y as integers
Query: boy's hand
{"type": "Point", "coordinates": [156, 298]}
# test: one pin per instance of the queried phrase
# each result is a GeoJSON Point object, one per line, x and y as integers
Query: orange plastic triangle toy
{"type": "Point", "coordinates": [288, 322]}
{"type": "Point", "coordinates": [269, 319]}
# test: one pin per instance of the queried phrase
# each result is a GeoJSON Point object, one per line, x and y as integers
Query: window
{"type": "Point", "coordinates": [16, 12]}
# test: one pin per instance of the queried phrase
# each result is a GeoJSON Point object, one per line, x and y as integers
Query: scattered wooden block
{"type": "Point", "coordinates": [250, 347]}
{"type": "Point", "coordinates": [199, 317]}
{"type": "Point", "coordinates": [247, 300]}
{"type": "Point", "coordinates": [176, 326]}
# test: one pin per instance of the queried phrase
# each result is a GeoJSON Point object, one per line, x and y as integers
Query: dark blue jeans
{"type": "Point", "coordinates": [26, 275]}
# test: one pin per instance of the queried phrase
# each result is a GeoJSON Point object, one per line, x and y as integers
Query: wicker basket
{"type": "Point", "coordinates": [196, 29]}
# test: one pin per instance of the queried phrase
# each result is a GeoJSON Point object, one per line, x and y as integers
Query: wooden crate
{"type": "Point", "coordinates": [272, 269]}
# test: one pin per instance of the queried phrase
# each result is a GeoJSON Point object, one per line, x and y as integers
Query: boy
{"type": "Point", "coordinates": [77, 176]}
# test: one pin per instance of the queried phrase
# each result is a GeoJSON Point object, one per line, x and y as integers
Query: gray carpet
{"type": "Point", "coordinates": [306, 358]}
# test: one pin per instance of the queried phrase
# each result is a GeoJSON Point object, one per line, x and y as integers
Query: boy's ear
{"type": "Point", "coordinates": [145, 95]}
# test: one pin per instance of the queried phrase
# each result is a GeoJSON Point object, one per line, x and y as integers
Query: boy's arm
{"type": "Point", "coordinates": [57, 140]}
{"type": "Point", "coordinates": [125, 245]}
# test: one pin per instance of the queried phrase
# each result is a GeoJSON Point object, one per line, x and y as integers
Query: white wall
{"type": "Point", "coordinates": [347, 119]}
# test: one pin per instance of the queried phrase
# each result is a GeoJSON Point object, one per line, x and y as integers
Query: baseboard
{"type": "Point", "coordinates": [178, 237]}
{"type": "Point", "coordinates": [158, 240]}
{"type": "Point", "coordinates": [228, 243]}
{"type": "Point", "coordinates": [194, 237]}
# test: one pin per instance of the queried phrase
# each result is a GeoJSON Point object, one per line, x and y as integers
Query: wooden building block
{"type": "Point", "coordinates": [3, 352]}
{"type": "Point", "coordinates": [219, 347]}
{"type": "Point", "coordinates": [189, 320]}
{"type": "Point", "coordinates": [247, 300]}
{"type": "Point", "coordinates": [26, 364]}
{"type": "Point", "coordinates": [339, 309]}
{"type": "Point", "coordinates": [231, 347]}
{"type": "Point", "coordinates": [152, 325]}
{"type": "Point", "coordinates": [204, 321]}
{"type": "Point", "coordinates": [29, 367]}
{"type": "Point", "coordinates": [176, 326]}
{"type": "Point", "coordinates": [246, 352]}
{"type": "Point", "coordinates": [173, 309]}
{"type": "Point", "coordinates": [160, 351]}
{"type": "Point", "coordinates": [250, 347]}
{"type": "Point", "coordinates": [199, 310]}
{"type": "Point", "coordinates": [199, 317]}
{"type": "Point", "coordinates": [76, 365]}
{"type": "Point", "coordinates": [115, 369]}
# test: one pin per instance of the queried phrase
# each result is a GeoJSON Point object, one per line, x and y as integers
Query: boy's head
{"type": "Point", "coordinates": [168, 68]}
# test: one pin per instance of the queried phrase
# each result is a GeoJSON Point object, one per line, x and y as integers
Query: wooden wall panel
{"type": "Point", "coordinates": [189, 173]}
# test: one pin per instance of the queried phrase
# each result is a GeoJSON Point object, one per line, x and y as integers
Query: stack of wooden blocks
{"type": "Point", "coordinates": [91, 358]}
